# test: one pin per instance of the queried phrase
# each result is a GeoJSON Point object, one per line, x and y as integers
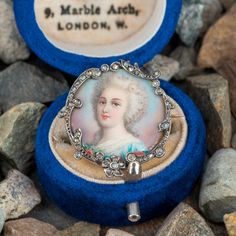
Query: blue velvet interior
{"type": "Point", "coordinates": [105, 204]}
{"type": "Point", "coordinates": [75, 64]}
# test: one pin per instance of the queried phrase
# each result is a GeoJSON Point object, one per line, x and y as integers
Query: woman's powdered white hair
{"type": "Point", "coordinates": [137, 96]}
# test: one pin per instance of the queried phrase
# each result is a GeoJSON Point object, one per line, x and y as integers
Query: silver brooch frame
{"type": "Point", "coordinates": [115, 165]}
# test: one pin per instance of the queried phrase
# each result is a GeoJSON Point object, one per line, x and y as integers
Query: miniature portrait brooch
{"type": "Point", "coordinates": [118, 117]}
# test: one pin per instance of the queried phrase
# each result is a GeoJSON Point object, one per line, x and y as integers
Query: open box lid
{"type": "Point", "coordinates": [79, 34]}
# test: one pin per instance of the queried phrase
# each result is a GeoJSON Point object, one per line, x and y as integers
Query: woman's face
{"type": "Point", "coordinates": [111, 107]}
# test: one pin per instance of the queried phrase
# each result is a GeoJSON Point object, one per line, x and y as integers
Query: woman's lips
{"type": "Point", "coordinates": [105, 117]}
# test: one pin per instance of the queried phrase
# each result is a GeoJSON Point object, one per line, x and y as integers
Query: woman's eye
{"type": "Point", "coordinates": [116, 104]}
{"type": "Point", "coordinates": [102, 102]}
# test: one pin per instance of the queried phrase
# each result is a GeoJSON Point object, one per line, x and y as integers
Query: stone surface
{"type": "Point", "coordinates": [2, 218]}
{"type": "Point", "coordinates": [218, 190]}
{"type": "Point", "coordinates": [81, 229]}
{"type": "Point", "coordinates": [18, 195]}
{"type": "Point", "coordinates": [17, 135]}
{"type": "Point", "coordinates": [219, 43]}
{"type": "Point", "coordinates": [184, 220]}
{"type": "Point", "coordinates": [233, 123]}
{"type": "Point", "coordinates": [2, 66]}
{"type": "Point", "coordinates": [28, 227]}
{"type": "Point", "coordinates": [233, 142]}
{"type": "Point", "coordinates": [228, 70]}
{"type": "Point", "coordinates": [22, 82]}
{"type": "Point", "coordinates": [193, 201]}
{"type": "Point", "coordinates": [48, 212]}
{"type": "Point", "coordinates": [196, 17]}
{"type": "Point", "coordinates": [217, 228]}
{"type": "Point", "coordinates": [227, 3]}
{"type": "Point", "coordinates": [12, 46]}
{"type": "Point", "coordinates": [211, 95]}
{"type": "Point", "coordinates": [145, 228]}
{"type": "Point", "coordinates": [168, 67]}
{"type": "Point", "coordinates": [218, 51]}
{"type": "Point", "coordinates": [187, 58]}
{"type": "Point", "coordinates": [190, 23]}
{"type": "Point", "coordinates": [117, 232]}
{"type": "Point", "coordinates": [230, 223]}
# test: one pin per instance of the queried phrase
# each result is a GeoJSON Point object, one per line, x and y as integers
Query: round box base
{"type": "Point", "coordinates": [105, 204]}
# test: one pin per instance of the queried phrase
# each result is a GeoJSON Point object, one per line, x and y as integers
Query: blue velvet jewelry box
{"type": "Point", "coordinates": [85, 195]}
{"type": "Point", "coordinates": [74, 37]}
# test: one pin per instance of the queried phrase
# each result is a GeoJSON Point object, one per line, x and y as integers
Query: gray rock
{"type": "Point", "coordinates": [2, 218]}
{"type": "Point", "coordinates": [233, 122]}
{"type": "Point", "coordinates": [28, 227]}
{"type": "Point", "coordinates": [233, 142]}
{"type": "Point", "coordinates": [12, 46]}
{"type": "Point", "coordinates": [17, 135]}
{"type": "Point", "coordinates": [211, 95]}
{"type": "Point", "coordinates": [81, 229]}
{"type": "Point", "coordinates": [146, 228]}
{"type": "Point", "coordinates": [190, 23]}
{"type": "Point", "coordinates": [117, 232]}
{"type": "Point", "coordinates": [227, 69]}
{"type": "Point", "coordinates": [187, 58]}
{"type": "Point", "coordinates": [22, 82]}
{"type": "Point", "coordinates": [48, 212]}
{"type": "Point", "coordinates": [196, 17]}
{"type": "Point", "coordinates": [2, 66]}
{"type": "Point", "coordinates": [227, 3]}
{"type": "Point", "coordinates": [213, 11]}
{"type": "Point", "coordinates": [218, 189]}
{"type": "Point", "coordinates": [17, 195]}
{"type": "Point", "coordinates": [184, 221]}
{"type": "Point", "coordinates": [168, 67]}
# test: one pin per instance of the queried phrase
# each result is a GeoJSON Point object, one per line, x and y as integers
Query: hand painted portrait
{"type": "Point", "coordinates": [120, 114]}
